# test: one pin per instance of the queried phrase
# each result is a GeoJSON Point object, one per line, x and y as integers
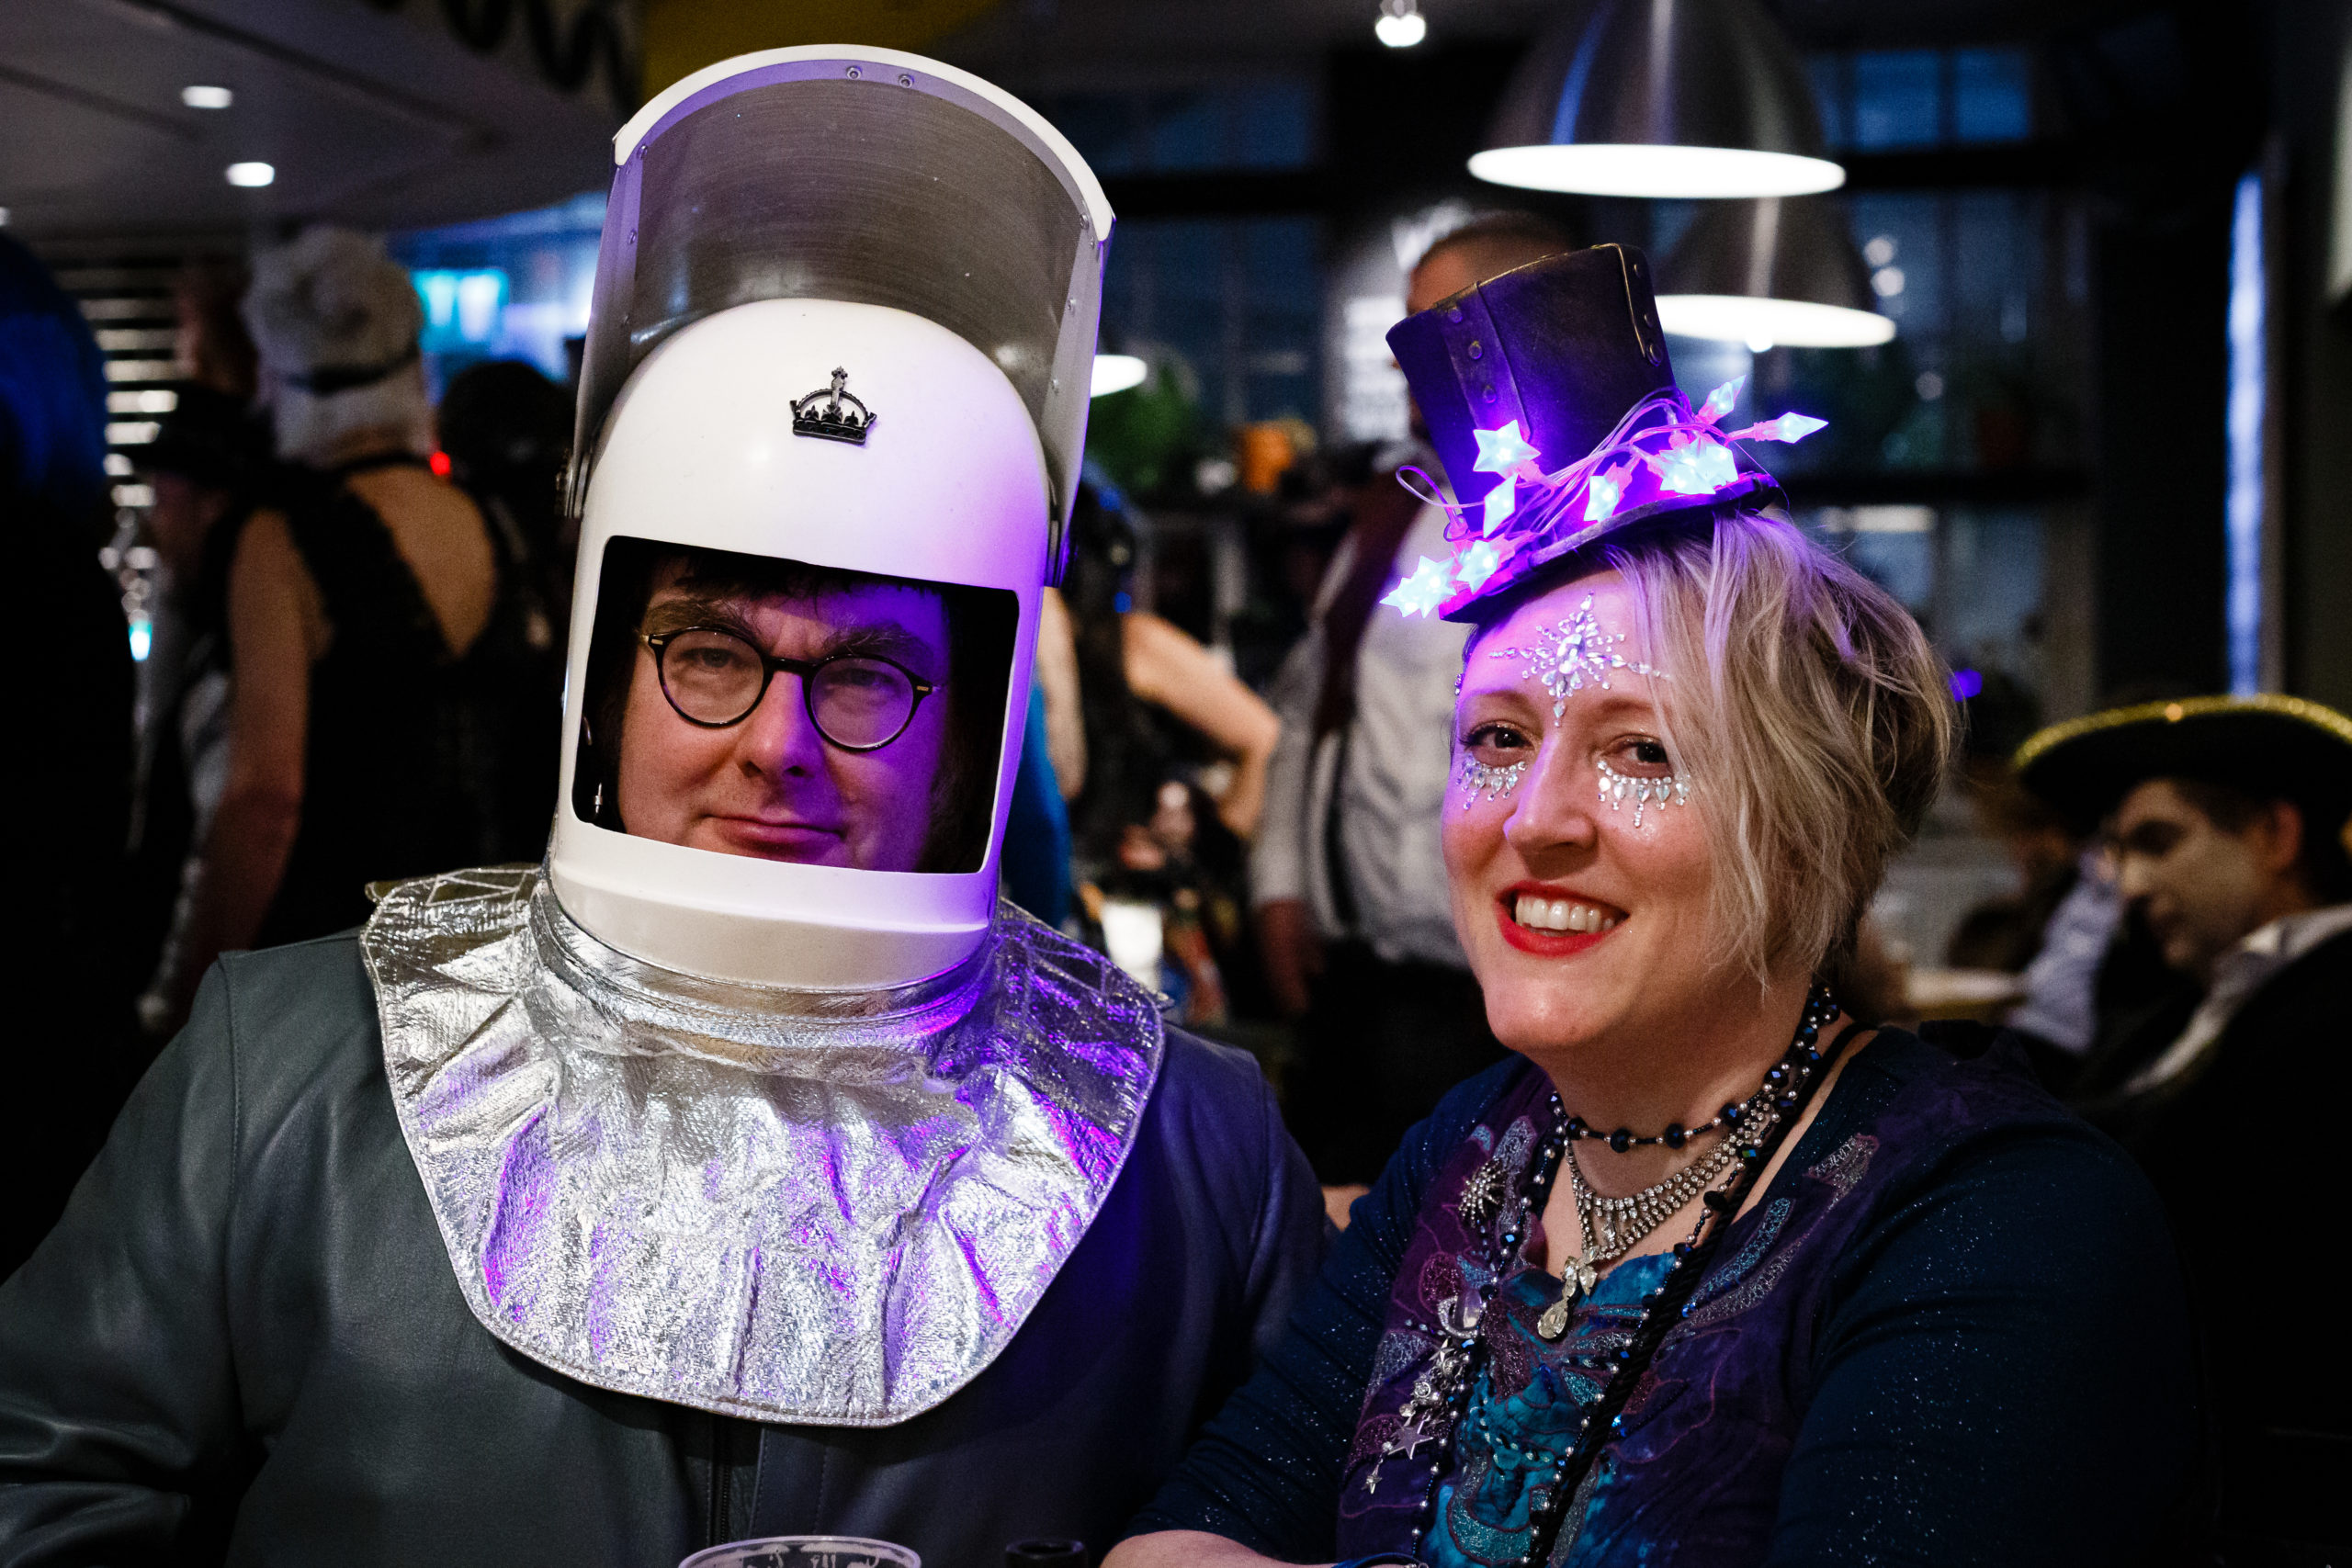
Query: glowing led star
{"type": "Point", "coordinates": [1719, 401]}
{"type": "Point", "coordinates": [1480, 561]}
{"type": "Point", "coordinates": [1788, 427]}
{"type": "Point", "coordinates": [1501, 451]}
{"type": "Point", "coordinates": [1501, 502]}
{"type": "Point", "coordinates": [1696, 467]}
{"type": "Point", "coordinates": [1422, 592]}
{"type": "Point", "coordinates": [1602, 496]}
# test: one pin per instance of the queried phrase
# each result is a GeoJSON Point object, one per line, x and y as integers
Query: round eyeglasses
{"type": "Point", "coordinates": [715, 678]}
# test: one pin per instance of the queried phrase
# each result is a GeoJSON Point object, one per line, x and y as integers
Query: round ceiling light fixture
{"type": "Point", "coordinates": [1666, 98]}
{"type": "Point", "coordinates": [1400, 24]}
{"type": "Point", "coordinates": [1780, 271]}
{"type": "Point", "coordinates": [1116, 373]}
{"type": "Point", "coordinates": [252, 176]}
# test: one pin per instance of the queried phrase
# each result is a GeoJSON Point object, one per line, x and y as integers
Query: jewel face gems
{"type": "Point", "coordinates": [1479, 779]}
{"type": "Point", "coordinates": [1616, 788]}
{"type": "Point", "coordinates": [1572, 653]}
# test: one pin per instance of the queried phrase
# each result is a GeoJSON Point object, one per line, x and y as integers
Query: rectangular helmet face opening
{"type": "Point", "coordinates": [754, 704]}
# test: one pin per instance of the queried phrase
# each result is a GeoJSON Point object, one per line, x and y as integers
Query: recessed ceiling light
{"type": "Point", "coordinates": [202, 97]}
{"type": "Point", "coordinates": [253, 176]}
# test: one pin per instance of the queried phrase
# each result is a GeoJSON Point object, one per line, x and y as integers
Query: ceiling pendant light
{"type": "Point", "coordinates": [1781, 271]}
{"type": "Point", "coordinates": [1661, 98]}
{"type": "Point", "coordinates": [1399, 24]}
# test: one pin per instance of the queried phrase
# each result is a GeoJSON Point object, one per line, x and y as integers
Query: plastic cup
{"type": "Point", "coordinates": [805, 1552]}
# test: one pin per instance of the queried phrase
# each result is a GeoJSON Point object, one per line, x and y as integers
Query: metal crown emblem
{"type": "Point", "coordinates": [831, 414]}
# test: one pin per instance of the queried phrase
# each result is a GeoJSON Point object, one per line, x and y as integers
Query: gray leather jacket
{"type": "Point", "coordinates": [245, 1342]}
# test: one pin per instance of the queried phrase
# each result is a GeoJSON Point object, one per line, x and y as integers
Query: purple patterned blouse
{"type": "Point", "coordinates": [1951, 1331]}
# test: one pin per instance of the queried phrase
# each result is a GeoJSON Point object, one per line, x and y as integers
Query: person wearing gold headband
{"type": "Point", "coordinates": [2226, 820]}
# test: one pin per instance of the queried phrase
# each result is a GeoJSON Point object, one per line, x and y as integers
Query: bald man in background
{"type": "Point", "coordinates": [1347, 875]}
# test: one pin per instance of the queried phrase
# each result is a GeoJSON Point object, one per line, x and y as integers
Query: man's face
{"type": "Point", "coordinates": [772, 785]}
{"type": "Point", "coordinates": [2201, 888]}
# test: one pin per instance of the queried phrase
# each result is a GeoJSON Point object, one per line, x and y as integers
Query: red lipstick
{"type": "Point", "coordinates": [1549, 943]}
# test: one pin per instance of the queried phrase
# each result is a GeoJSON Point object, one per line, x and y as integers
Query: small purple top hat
{"type": "Point", "coordinates": [1551, 401]}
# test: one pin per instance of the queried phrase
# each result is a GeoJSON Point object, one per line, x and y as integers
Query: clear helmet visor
{"type": "Point", "coordinates": [778, 709]}
{"type": "Point", "coordinates": [873, 178]}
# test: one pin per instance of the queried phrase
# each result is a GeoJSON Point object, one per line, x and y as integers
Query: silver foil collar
{"type": "Point", "coordinates": [821, 1207]}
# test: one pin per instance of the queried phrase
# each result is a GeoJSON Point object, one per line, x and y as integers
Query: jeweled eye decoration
{"type": "Point", "coordinates": [1616, 788]}
{"type": "Point", "coordinates": [1477, 779]}
{"type": "Point", "coordinates": [1578, 650]}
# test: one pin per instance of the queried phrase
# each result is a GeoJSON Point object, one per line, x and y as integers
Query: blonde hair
{"type": "Point", "coordinates": [1812, 715]}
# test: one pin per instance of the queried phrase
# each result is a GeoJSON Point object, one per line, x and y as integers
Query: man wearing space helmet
{"type": "Point", "coordinates": [747, 1168]}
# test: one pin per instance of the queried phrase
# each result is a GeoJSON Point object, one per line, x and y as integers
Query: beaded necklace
{"type": "Point", "coordinates": [1434, 1413]}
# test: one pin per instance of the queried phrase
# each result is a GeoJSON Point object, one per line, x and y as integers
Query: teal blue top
{"type": "Point", "coordinates": [1510, 1447]}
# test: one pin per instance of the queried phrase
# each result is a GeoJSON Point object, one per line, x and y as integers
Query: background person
{"type": "Point", "coordinates": [1142, 720]}
{"type": "Point", "coordinates": [506, 431]}
{"type": "Point", "coordinates": [1704, 1274]}
{"type": "Point", "coordinates": [68, 1043]}
{"type": "Point", "coordinates": [1347, 884]}
{"type": "Point", "coordinates": [390, 712]}
{"type": "Point", "coordinates": [2226, 818]}
{"type": "Point", "coordinates": [208, 465]}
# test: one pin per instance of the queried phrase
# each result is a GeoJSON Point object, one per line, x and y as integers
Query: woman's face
{"type": "Point", "coordinates": [1580, 872]}
{"type": "Point", "coordinates": [771, 785]}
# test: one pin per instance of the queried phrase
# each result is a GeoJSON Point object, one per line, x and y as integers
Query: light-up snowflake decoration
{"type": "Point", "coordinates": [1575, 652]}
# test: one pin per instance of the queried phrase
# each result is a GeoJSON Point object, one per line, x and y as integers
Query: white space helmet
{"type": "Point", "coordinates": [838, 358]}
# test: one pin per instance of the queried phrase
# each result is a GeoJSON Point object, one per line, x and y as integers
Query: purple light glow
{"type": "Point", "coordinates": [1965, 684]}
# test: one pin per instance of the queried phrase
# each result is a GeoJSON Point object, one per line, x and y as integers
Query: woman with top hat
{"type": "Point", "coordinates": [1708, 1272]}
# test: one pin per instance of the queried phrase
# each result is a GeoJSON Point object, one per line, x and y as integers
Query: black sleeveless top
{"type": "Point", "coordinates": [417, 759]}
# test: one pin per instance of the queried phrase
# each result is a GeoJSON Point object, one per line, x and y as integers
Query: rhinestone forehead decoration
{"type": "Point", "coordinates": [1479, 779]}
{"type": "Point", "coordinates": [1575, 652]}
{"type": "Point", "coordinates": [1616, 788]}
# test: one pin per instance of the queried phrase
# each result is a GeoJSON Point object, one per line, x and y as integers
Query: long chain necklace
{"type": "Point", "coordinates": [1433, 1412]}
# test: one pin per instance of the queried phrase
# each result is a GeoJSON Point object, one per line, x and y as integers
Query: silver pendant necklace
{"type": "Point", "coordinates": [1608, 1228]}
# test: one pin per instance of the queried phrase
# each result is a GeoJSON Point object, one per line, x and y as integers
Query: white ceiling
{"type": "Point", "coordinates": [382, 120]}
